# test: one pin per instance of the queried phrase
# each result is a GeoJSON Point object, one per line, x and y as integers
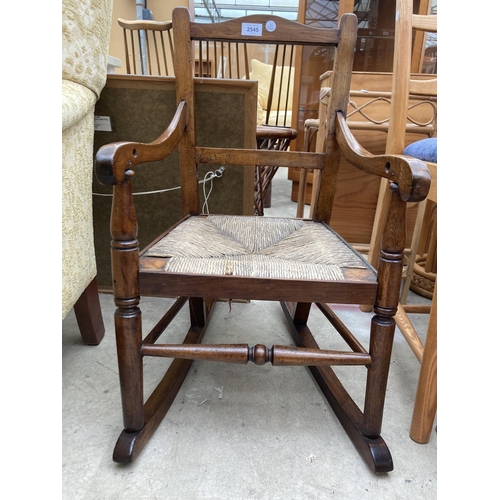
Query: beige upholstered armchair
{"type": "Point", "coordinates": [86, 26]}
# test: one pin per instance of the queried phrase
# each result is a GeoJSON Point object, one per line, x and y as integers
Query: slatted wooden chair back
{"type": "Point", "coordinates": [403, 85]}
{"type": "Point", "coordinates": [189, 35]}
{"type": "Point", "coordinates": [272, 64]}
{"type": "Point", "coordinates": [148, 47]}
{"type": "Point", "coordinates": [404, 88]}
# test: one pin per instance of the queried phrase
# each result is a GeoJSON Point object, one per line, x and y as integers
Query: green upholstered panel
{"type": "Point", "coordinates": [140, 108]}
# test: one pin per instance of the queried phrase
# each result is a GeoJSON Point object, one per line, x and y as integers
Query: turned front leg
{"type": "Point", "coordinates": [128, 329]}
{"type": "Point", "coordinates": [390, 270]}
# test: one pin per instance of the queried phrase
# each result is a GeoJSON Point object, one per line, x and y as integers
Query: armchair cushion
{"type": "Point", "coordinates": [425, 150]}
{"type": "Point", "coordinates": [262, 73]}
{"type": "Point", "coordinates": [78, 253]}
{"type": "Point", "coordinates": [77, 101]}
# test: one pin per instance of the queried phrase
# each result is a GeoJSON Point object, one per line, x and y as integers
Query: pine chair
{"type": "Point", "coordinates": [156, 37]}
{"type": "Point", "coordinates": [404, 87]}
{"type": "Point", "coordinates": [296, 262]}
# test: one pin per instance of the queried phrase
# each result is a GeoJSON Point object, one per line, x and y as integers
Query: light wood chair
{"type": "Point", "coordinates": [404, 86]}
{"type": "Point", "coordinates": [156, 37]}
{"type": "Point", "coordinates": [295, 262]}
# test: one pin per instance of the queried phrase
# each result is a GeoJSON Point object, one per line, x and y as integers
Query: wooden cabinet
{"type": "Point", "coordinates": [357, 192]}
{"type": "Point", "coordinates": [374, 49]}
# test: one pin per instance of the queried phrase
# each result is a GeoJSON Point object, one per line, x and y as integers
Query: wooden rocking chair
{"type": "Point", "coordinates": [297, 262]}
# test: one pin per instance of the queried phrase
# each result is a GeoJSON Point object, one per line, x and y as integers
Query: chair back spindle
{"type": "Point", "coordinates": [149, 47]}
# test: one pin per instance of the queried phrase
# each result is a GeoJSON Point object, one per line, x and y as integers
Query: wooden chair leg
{"type": "Point", "coordinates": [417, 231]}
{"type": "Point", "coordinates": [128, 329]}
{"type": "Point", "coordinates": [143, 420]}
{"type": "Point", "coordinates": [301, 200]}
{"type": "Point", "coordinates": [381, 340]}
{"type": "Point", "coordinates": [89, 315]}
{"type": "Point", "coordinates": [424, 410]}
{"type": "Point", "coordinates": [409, 333]}
{"type": "Point", "coordinates": [431, 260]}
{"type": "Point", "coordinates": [379, 222]}
{"type": "Point", "coordinates": [374, 450]}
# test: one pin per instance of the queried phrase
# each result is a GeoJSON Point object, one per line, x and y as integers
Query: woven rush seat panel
{"type": "Point", "coordinates": [261, 247]}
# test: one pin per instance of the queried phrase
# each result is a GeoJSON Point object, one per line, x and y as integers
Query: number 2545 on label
{"type": "Point", "coordinates": [251, 29]}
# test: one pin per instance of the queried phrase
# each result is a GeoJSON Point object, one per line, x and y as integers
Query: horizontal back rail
{"type": "Point", "coordinates": [261, 28]}
{"type": "Point", "coordinates": [423, 87]}
{"type": "Point", "coordinates": [145, 25]}
{"type": "Point", "coordinates": [424, 23]}
{"type": "Point", "coordinates": [296, 159]}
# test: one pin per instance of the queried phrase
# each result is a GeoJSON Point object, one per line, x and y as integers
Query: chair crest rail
{"type": "Point", "coordinates": [145, 25]}
{"type": "Point", "coordinates": [273, 29]}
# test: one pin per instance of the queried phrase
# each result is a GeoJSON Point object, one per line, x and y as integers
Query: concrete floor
{"type": "Point", "coordinates": [238, 432]}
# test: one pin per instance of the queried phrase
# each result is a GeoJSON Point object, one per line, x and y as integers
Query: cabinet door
{"type": "Point", "coordinates": [374, 50]}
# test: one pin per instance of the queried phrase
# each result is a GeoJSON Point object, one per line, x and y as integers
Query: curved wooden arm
{"type": "Point", "coordinates": [114, 161]}
{"type": "Point", "coordinates": [411, 175]}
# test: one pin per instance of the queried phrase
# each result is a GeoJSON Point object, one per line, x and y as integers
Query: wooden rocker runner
{"type": "Point", "coordinates": [297, 262]}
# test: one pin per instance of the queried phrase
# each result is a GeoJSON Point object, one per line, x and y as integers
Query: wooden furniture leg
{"type": "Point", "coordinates": [424, 410]}
{"type": "Point", "coordinates": [314, 192]}
{"type": "Point", "coordinates": [374, 450]}
{"type": "Point", "coordinates": [89, 315]}
{"type": "Point", "coordinates": [131, 442]}
{"type": "Point", "coordinates": [413, 251]}
{"type": "Point", "coordinates": [409, 333]}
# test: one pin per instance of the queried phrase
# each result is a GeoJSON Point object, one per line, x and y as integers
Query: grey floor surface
{"type": "Point", "coordinates": [238, 432]}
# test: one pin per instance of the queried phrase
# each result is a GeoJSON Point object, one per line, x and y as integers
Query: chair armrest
{"type": "Point", "coordinates": [411, 175]}
{"type": "Point", "coordinates": [114, 161]}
